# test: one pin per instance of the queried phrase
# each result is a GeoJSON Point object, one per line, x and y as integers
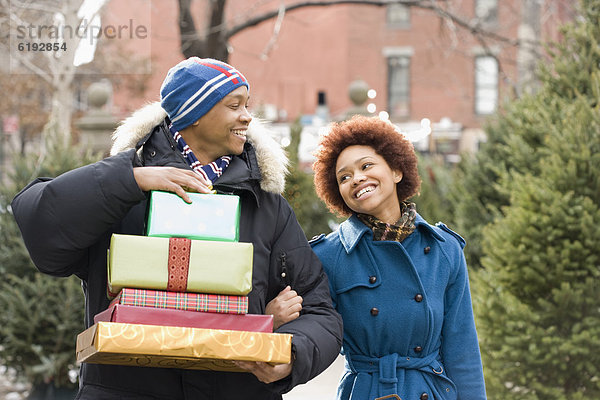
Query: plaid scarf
{"type": "Point", "coordinates": [211, 171]}
{"type": "Point", "coordinates": [394, 232]}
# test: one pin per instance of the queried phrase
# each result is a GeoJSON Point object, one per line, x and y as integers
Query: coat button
{"type": "Point", "coordinates": [426, 250]}
{"type": "Point", "coordinates": [419, 297]}
{"type": "Point", "coordinates": [418, 349]}
{"type": "Point", "coordinates": [424, 396]}
{"type": "Point", "coordinates": [374, 311]}
{"type": "Point", "coordinates": [372, 279]}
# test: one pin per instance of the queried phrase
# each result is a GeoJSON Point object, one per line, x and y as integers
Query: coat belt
{"type": "Point", "coordinates": [386, 368]}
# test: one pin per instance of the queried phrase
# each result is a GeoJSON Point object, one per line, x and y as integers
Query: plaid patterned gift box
{"type": "Point", "coordinates": [182, 301]}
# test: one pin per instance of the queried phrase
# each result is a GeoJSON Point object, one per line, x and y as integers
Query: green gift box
{"type": "Point", "coordinates": [179, 264]}
{"type": "Point", "coordinates": [208, 217]}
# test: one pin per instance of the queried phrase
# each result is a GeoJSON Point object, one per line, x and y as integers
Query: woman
{"type": "Point", "coordinates": [400, 284]}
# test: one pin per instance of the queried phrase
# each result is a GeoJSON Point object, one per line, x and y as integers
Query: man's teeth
{"type": "Point", "coordinates": [239, 132]}
{"type": "Point", "coordinates": [363, 191]}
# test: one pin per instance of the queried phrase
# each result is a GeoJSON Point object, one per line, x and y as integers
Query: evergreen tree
{"type": "Point", "coordinates": [311, 212]}
{"type": "Point", "coordinates": [41, 315]}
{"type": "Point", "coordinates": [436, 180]}
{"type": "Point", "coordinates": [536, 298]}
{"type": "Point", "coordinates": [541, 330]}
{"type": "Point", "coordinates": [516, 133]}
{"type": "Point", "coordinates": [482, 181]}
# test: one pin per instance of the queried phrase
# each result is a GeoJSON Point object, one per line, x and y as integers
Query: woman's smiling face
{"type": "Point", "coordinates": [367, 183]}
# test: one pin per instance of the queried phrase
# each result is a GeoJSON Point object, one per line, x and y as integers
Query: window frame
{"type": "Point", "coordinates": [397, 23]}
{"type": "Point", "coordinates": [404, 93]}
{"type": "Point", "coordinates": [494, 86]}
{"type": "Point", "coordinates": [489, 19]}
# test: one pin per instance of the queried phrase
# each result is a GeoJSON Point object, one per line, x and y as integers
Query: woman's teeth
{"type": "Point", "coordinates": [363, 191]}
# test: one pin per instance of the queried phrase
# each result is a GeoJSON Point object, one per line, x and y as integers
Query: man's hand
{"type": "Point", "coordinates": [171, 179]}
{"type": "Point", "coordinates": [266, 372]}
{"type": "Point", "coordinates": [285, 307]}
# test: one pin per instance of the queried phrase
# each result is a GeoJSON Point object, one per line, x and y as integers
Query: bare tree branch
{"type": "Point", "coordinates": [217, 35]}
{"type": "Point", "coordinates": [303, 4]}
{"type": "Point", "coordinates": [275, 34]}
{"type": "Point", "coordinates": [474, 27]}
{"type": "Point", "coordinates": [59, 23]}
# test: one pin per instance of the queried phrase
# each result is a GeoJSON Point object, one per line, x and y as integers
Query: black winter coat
{"type": "Point", "coordinates": [67, 223]}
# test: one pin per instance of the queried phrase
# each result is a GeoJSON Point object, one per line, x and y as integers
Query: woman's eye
{"type": "Point", "coordinates": [344, 178]}
{"type": "Point", "coordinates": [366, 165]}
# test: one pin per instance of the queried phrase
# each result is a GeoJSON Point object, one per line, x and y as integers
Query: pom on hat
{"type": "Point", "coordinates": [194, 86]}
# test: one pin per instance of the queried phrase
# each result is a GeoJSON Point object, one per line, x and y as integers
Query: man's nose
{"type": "Point", "coordinates": [246, 116]}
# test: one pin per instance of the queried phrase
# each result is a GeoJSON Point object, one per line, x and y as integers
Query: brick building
{"type": "Point", "coordinates": [418, 65]}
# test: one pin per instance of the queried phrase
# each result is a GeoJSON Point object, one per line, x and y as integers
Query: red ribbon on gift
{"type": "Point", "coordinates": [179, 264]}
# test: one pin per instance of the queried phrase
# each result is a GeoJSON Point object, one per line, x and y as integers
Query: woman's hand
{"type": "Point", "coordinates": [171, 179]}
{"type": "Point", "coordinates": [285, 307]}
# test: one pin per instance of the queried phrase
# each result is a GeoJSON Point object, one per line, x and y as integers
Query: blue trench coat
{"type": "Point", "coordinates": [408, 320]}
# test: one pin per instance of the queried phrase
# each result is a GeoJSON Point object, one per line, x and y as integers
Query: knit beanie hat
{"type": "Point", "coordinates": [194, 86]}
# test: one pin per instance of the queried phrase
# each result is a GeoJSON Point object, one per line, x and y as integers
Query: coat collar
{"type": "Point", "coordinates": [271, 158]}
{"type": "Point", "coordinates": [352, 230]}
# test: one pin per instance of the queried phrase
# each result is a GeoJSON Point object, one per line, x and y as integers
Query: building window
{"type": "Point", "coordinates": [487, 11]}
{"type": "Point", "coordinates": [486, 85]}
{"type": "Point", "coordinates": [398, 15]}
{"type": "Point", "coordinates": [399, 86]}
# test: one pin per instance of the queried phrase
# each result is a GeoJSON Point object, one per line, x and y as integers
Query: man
{"type": "Point", "coordinates": [198, 138]}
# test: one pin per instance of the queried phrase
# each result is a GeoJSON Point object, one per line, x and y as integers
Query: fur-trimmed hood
{"type": "Point", "coordinates": [272, 159]}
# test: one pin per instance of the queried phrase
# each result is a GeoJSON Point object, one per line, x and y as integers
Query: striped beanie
{"type": "Point", "coordinates": [194, 86]}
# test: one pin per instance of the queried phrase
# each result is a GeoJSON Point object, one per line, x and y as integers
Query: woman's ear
{"type": "Point", "coordinates": [397, 175]}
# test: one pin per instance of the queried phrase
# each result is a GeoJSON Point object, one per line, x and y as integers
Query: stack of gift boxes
{"type": "Point", "coordinates": [180, 293]}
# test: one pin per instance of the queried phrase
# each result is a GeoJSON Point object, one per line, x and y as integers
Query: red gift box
{"type": "Point", "coordinates": [216, 303]}
{"type": "Point", "coordinates": [190, 319]}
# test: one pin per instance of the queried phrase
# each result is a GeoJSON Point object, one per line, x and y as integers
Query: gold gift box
{"type": "Point", "coordinates": [179, 347]}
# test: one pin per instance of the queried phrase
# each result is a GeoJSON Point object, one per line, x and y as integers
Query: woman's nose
{"type": "Point", "coordinates": [358, 178]}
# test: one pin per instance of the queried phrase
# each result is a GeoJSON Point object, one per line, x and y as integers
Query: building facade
{"type": "Point", "coordinates": [419, 64]}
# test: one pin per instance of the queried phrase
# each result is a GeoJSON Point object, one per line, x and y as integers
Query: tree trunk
{"type": "Point", "coordinates": [63, 72]}
{"type": "Point", "coordinates": [216, 39]}
{"type": "Point", "coordinates": [214, 43]}
{"type": "Point", "coordinates": [191, 44]}
{"type": "Point", "coordinates": [59, 122]}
